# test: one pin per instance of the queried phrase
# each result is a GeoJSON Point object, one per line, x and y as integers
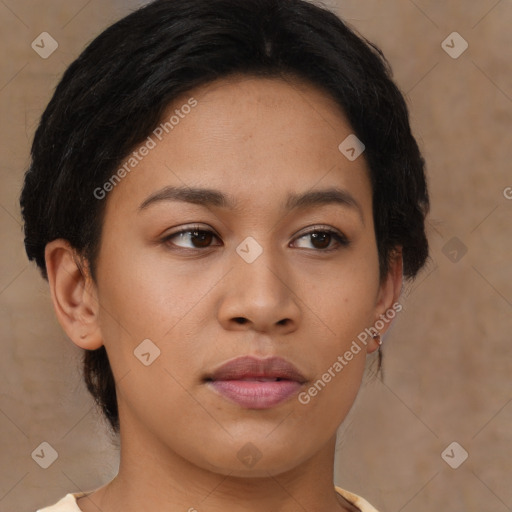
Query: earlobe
{"type": "Point", "coordinates": [73, 295]}
{"type": "Point", "coordinates": [387, 304]}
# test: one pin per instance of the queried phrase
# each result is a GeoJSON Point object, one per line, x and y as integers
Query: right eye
{"type": "Point", "coordinates": [195, 237]}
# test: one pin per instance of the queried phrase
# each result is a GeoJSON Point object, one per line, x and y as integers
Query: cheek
{"type": "Point", "coordinates": [342, 305]}
{"type": "Point", "coordinates": [148, 306]}
{"type": "Point", "coordinates": [337, 352]}
{"type": "Point", "coordinates": [145, 294]}
{"type": "Point", "coordinates": [343, 294]}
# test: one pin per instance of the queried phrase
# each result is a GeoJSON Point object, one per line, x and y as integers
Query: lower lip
{"type": "Point", "coordinates": [256, 394]}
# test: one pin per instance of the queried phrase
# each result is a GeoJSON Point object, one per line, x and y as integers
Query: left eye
{"type": "Point", "coordinates": [323, 240]}
{"type": "Point", "coordinates": [199, 238]}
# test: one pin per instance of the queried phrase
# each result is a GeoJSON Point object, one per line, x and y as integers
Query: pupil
{"type": "Point", "coordinates": [323, 238]}
{"type": "Point", "coordinates": [201, 238]}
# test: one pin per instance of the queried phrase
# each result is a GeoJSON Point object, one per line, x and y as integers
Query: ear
{"type": "Point", "coordinates": [74, 295]}
{"type": "Point", "coordinates": [387, 305]}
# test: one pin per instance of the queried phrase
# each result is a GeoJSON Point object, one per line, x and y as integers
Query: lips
{"type": "Point", "coordinates": [256, 383]}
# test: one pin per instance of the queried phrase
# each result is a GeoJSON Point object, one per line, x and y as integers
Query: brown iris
{"type": "Point", "coordinates": [201, 238]}
{"type": "Point", "coordinates": [320, 240]}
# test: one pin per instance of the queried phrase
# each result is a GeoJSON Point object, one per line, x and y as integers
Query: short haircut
{"type": "Point", "coordinates": [116, 92]}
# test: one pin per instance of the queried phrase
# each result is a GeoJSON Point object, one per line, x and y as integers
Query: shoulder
{"type": "Point", "coordinates": [66, 504]}
{"type": "Point", "coordinates": [356, 500]}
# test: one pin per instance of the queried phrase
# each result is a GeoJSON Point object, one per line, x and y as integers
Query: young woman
{"type": "Point", "coordinates": [225, 197]}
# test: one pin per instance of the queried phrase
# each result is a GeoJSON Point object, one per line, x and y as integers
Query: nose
{"type": "Point", "coordinates": [259, 296]}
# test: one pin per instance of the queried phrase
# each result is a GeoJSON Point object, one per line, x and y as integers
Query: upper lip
{"type": "Point", "coordinates": [247, 367]}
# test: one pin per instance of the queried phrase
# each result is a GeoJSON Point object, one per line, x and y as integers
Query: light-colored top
{"type": "Point", "coordinates": [69, 504]}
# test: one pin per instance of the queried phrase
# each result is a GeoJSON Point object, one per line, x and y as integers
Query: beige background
{"type": "Point", "coordinates": [448, 359]}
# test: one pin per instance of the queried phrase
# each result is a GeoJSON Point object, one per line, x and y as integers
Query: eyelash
{"type": "Point", "coordinates": [341, 240]}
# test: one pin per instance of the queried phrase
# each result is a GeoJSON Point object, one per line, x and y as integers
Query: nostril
{"type": "Point", "coordinates": [240, 320]}
{"type": "Point", "coordinates": [284, 321]}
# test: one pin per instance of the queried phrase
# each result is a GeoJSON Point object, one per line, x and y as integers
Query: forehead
{"type": "Point", "coordinates": [249, 136]}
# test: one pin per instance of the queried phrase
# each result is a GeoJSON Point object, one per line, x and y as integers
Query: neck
{"type": "Point", "coordinates": [152, 477]}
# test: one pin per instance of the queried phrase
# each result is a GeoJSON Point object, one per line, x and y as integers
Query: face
{"type": "Point", "coordinates": [272, 259]}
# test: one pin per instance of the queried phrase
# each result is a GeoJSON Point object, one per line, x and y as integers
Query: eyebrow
{"type": "Point", "coordinates": [216, 198]}
{"type": "Point", "coordinates": [324, 196]}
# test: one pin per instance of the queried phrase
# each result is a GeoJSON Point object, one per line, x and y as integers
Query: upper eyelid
{"type": "Point", "coordinates": [319, 227]}
{"type": "Point", "coordinates": [308, 230]}
{"type": "Point", "coordinates": [188, 229]}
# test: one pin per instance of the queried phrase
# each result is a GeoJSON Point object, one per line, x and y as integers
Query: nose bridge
{"type": "Point", "coordinates": [260, 272]}
{"type": "Point", "coordinates": [257, 289]}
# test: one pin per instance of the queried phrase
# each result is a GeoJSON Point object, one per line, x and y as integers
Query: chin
{"type": "Point", "coordinates": [252, 460]}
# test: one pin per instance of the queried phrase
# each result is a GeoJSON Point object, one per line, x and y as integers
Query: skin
{"type": "Point", "coordinates": [256, 140]}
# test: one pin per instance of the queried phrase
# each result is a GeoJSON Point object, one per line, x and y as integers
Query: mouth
{"type": "Point", "coordinates": [256, 383]}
